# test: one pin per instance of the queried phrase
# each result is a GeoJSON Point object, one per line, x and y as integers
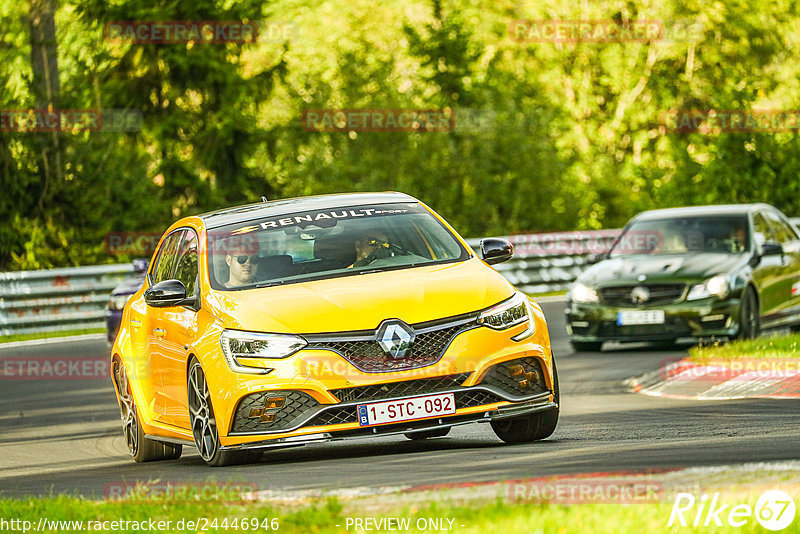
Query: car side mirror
{"type": "Point", "coordinates": [167, 293]}
{"type": "Point", "coordinates": [494, 250]}
{"type": "Point", "coordinates": [772, 249]}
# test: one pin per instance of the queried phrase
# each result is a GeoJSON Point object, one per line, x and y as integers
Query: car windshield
{"type": "Point", "coordinates": [686, 235]}
{"type": "Point", "coordinates": [328, 243]}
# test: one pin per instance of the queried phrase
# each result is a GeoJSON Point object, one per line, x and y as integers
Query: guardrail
{"type": "Point", "coordinates": [76, 297]}
{"type": "Point", "coordinates": [551, 261]}
{"type": "Point", "coordinates": [57, 299]}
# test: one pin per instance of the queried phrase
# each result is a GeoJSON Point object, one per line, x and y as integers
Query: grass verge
{"type": "Point", "coordinates": [331, 516]}
{"type": "Point", "coordinates": [786, 346]}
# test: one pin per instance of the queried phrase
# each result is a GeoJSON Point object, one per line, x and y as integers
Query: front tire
{"type": "Point", "coordinates": [142, 449]}
{"type": "Point", "coordinates": [749, 315]}
{"type": "Point", "coordinates": [533, 427]}
{"type": "Point", "coordinates": [204, 423]}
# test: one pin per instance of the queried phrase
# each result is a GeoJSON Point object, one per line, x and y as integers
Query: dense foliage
{"type": "Point", "coordinates": [566, 135]}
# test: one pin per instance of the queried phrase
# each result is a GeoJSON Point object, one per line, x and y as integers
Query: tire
{"type": "Point", "coordinates": [204, 424]}
{"type": "Point", "coordinates": [425, 434]}
{"type": "Point", "coordinates": [533, 427]}
{"type": "Point", "coordinates": [587, 346]}
{"type": "Point", "coordinates": [749, 316]}
{"type": "Point", "coordinates": [142, 449]}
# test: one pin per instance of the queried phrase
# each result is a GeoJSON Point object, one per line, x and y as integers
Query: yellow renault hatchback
{"type": "Point", "coordinates": [324, 318]}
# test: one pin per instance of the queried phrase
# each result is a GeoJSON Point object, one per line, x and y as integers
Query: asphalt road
{"type": "Point", "coordinates": [64, 435]}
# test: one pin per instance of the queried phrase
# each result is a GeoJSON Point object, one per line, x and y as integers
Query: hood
{"type": "Point", "coordinates": [362, 302]}
{"type": "Point", "coordinates": [673, 267]}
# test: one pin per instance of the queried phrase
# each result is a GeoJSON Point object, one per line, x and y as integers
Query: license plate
{"type": "Point", "coordinates": [377, 413]}
{"type": "Point", "coordinates": [640, 317]}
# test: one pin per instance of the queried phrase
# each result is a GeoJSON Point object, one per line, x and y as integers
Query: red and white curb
{"type": "Point", "coordinates": [722, 380]}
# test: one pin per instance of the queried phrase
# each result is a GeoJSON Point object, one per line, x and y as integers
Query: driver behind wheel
{"type": "Point", "coordinates": [371, 247]}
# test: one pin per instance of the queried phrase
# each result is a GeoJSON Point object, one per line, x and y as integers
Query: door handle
{"type": "Point", "coordinates": [159, 332]}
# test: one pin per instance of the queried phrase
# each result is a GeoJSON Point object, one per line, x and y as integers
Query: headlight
{"type": "Point", "coordinates": [716, 286]}
{"type": "Point", "coordinates": [516, 310]}
{"type": "Point", "coordinates": [583, 293]}
{"type": "Point", "coordinates": [237, 344]}
{"type": "Point", "coordinates": [117, 302]}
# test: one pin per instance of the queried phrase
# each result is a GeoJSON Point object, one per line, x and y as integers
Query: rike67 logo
{"type": "Point", "coordinates": [774, 510]}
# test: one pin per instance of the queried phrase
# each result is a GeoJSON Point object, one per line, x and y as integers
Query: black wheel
{"type": "Point", "coordinates": [587, 346]}
{"type": "Point", "coordinates": [204, 424]}
{"type": "Point", "coordinates": [749, 315]}
{"type": "Point", "coordinates": [425, 434]}
{"type": "Point", "coordinates": [142, 449]}
{"type": "Point", "coordinates": [531, 427]}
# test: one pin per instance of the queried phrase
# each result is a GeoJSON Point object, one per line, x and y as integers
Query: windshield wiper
{"type": "Point", "coordinates": [270, 284]}
{"type": "Point", "coordinates": [375, 270]}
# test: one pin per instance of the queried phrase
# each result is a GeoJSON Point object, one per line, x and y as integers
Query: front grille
{"type": "Point", "coordinates": [475, 397]}
{"type": "Point", "coordinates": [658, 294]}
{"type": "Point", "coordinates": [363, 351]}
{"type": "Point", "coordinates": [296, 407]}
{"type": "Point", "coordinates": [335, 416]}
{"type": "Point", "coordinates": [406, 388]}
{"type": "Point", "coordinates": [529, 380]}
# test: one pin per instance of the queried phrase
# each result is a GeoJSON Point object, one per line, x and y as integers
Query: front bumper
{"type": "Point", "coordinates": [330, 388]}
{"type": "Point", "coordinates": [534, 405]}
{"type": "Point", "coordinates": [702, 319]}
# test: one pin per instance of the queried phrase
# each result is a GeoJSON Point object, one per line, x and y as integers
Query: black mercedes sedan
{"type": "Point", "coordinates": [703, 272]}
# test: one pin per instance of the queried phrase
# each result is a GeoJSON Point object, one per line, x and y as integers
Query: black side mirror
{"type": "Point", "coordinates": [771, 249]}
{"type": "Point", "coordinates": [167, 293]}
{"type": "Point", "coordinates": [494, 250]}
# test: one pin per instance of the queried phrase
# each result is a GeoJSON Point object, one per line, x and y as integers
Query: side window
{"type": "Point", "coordinates": [186, 265]}
{"type": "Point", "coordinates": [783, 232]}
{"type": "Point", "coordinates": [761, 230]}
{"type": "Point", "coordinates": [162, 270]}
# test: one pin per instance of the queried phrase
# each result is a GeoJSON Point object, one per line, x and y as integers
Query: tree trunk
{"type": "Point", "coordinates": [45, 87]}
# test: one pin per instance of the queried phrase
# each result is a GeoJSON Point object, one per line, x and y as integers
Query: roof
{"type": "Point", "coordinates": [261, 210]}
{"type": "Point", "coordinates": [694, 211]}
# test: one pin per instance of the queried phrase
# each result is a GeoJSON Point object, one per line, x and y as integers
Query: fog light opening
{"type": "Point", "coordinates": [271, 406]}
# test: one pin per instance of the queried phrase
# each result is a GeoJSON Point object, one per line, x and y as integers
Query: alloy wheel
{"type": "Point", "coordinates": [130, 423]}
{"type": "Point", "coordinates": [204, 425]}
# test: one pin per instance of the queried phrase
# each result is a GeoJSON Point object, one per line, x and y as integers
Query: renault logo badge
{"type": "Point", "coordinates": [396, 338]}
